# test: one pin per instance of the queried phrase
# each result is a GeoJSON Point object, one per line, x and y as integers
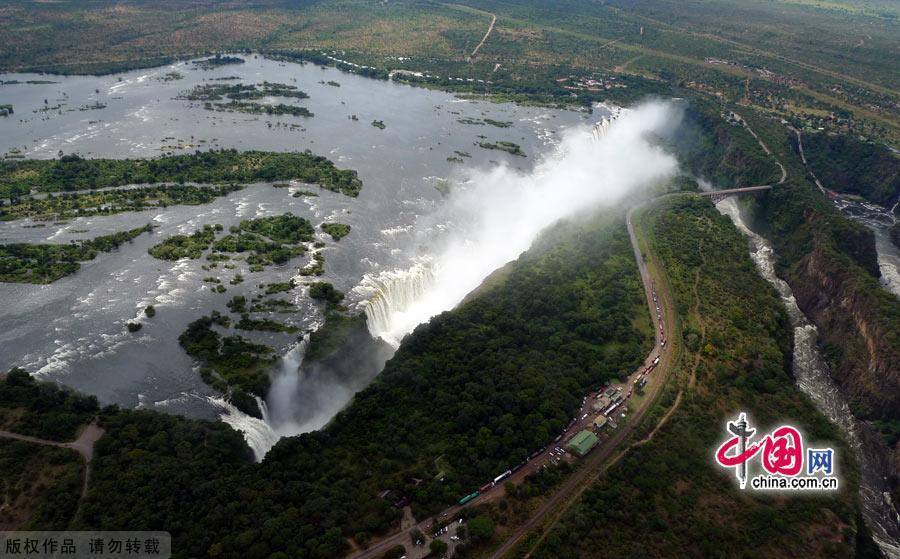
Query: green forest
{"type": "Point", "coordinates": [232, 364]}
{"type": "Point", "coordinates": [262, 242]}
{"type": "Point", "coordinates": [72, 172]}
{"type": "Point", "coordinates": [725, 153]}
{"type": "Point", "coordinates": [560, 323]}
{"type": "Point", "coordinates": [69, 205]}
{"type": "Point", "coordinates": [667, 497]}
{"type": "Point", "coordinates": [31, 263]}
{"type": "Point", "coordinates": [42, 410]}
{"type": "Point", "coordinates": [850, 166]}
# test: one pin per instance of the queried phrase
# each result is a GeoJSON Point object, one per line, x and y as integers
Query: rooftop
{"type": "Point", "coordinates": [583, 442]}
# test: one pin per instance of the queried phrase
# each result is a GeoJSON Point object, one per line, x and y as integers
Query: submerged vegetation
{"type": "Point", "coordinates": [184, 246]}
{"type": "Point", "coordinates": [268, 240]}
{"type": "Point", "coordinates": [324, 291]}
{"type": "Point", "coordinates": [28, 263]}
{"type": "Point", "coordinates": [483, 121]}
{"type": "Point", "coordinates": [316, 266]}
{"type": "Point", "coordinates": [232, 364]}
{"type": "Point", "coordinates": [237, 91]}
{"type": "Point", "coordinates": [263, 242]}
{"type": "Point", "coordinates": [511, 148]}
{"type": "Point", "coordinates": [252, 108]}
{"type": "Point", "coordinates": [263, 324]}
{"type": "Point", "coordinates": [72, 172]}
{"type": "Point", "coordinates": [218, 61]}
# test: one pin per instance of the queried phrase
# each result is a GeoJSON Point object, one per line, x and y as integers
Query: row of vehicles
{"type": "Point", "coordinates": [614, 394]}
{"type": "Point", "coordinates": [497, 480]}
{"type": "Point", "coordinates": [662, 333]}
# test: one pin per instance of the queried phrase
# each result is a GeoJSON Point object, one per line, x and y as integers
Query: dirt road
{"type": "Point", "coordinates": [83, 445]}
{"type": "Point", "coordinates": [483, 39]}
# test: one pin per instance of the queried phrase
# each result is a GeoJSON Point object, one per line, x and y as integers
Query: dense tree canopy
{"type": "Point", "coordinates": [72, 172]}
{"type": "Point", "coordinates": [480, 387]}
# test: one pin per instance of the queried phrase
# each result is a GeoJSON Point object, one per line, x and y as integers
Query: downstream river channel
{"type": "Point", "coordinates": [814, 379]}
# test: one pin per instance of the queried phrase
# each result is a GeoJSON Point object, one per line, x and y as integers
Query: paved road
{"type": "Point", "coordinates": [581, 479]}
{"type": "Point", "coordinates": [599, 459]}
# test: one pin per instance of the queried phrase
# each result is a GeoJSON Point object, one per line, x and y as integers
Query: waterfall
{"type": "Point", "coordinates": [262, 434]}
{"type": "Point", "coordinates": [391, 296]}
{"type": "Point", "coordinates": [602, 126]}
{"type": "Point", "coordinates": [258, 433]}
{"type": "Point", "coordinates": [285, 385]}
{"type": "Point", "coordinates": [813, 377]}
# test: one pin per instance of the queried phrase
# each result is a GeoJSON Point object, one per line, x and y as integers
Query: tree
{"type": "Point", "coordinates": [322, 290]}
{"type": "Point", "coordinates": [481, 528]}
{"type": "Point", "coordinates": [438, 547]}
{"type": "Point", "coordinates": [395, 552]}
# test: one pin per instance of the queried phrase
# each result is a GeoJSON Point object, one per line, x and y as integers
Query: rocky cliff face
{"type": "Point", "coordinates": [830, 264]}
{"type": "Point", "coordinates": [859, 342]}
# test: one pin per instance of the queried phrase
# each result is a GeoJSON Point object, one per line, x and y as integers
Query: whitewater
{"type": "Point", "coordinates": [490, 217]}
{"type": "Point", "coordinates": [497, 213]}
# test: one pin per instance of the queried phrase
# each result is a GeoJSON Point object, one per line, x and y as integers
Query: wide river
{"type": "Point", "coordinates": [73, 331]}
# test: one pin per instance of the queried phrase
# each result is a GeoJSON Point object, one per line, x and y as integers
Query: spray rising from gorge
{"type": "Point", "coordinates": [489, 219]}
{"type": "Point", "coordinates": [496, 214]}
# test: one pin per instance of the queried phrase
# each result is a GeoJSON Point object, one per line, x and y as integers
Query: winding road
{"type": "Point", "coordinates": [603, 457]}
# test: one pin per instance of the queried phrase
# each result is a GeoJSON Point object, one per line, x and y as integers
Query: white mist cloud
{"type": "Point", "coordinates": [501, 211]}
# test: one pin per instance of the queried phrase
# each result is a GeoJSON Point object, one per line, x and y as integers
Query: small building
{"type": "Point", "coordinates": [601, 403]}
{"type": "Point", "coordinates": [582, 443]}
{"type": "Point", "coordinates": [614, 394]}
{"type": "Point", "coordinates": [600, 422]}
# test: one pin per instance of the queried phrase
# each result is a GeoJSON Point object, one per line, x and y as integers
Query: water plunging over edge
{"type": "Point", "coordinates": [389, 294]}
{"type": "Point", "coordinates": [262, 434]}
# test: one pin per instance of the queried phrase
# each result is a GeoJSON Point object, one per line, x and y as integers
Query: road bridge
{"type": "Point", "coordinates": [718, 195]}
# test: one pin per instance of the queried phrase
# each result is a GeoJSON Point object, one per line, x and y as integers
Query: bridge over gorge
{"type": "Point", "coordinates": [718, 195]}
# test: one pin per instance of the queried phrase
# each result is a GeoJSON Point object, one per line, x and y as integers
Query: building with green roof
{"type": "Point", "coordinates": [582, 443]}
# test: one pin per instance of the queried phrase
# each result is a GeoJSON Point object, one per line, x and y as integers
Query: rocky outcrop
{"type": "Point", "coordinates": [860, 341]}
{"type": "Point", "coordinates": [830, 264]}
